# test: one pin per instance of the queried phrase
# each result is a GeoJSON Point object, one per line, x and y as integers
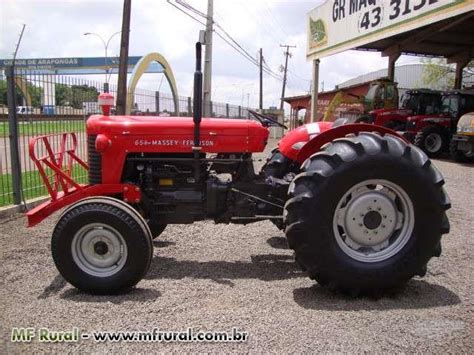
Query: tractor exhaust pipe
{"type": "Point", "coordinates": [197, 109]}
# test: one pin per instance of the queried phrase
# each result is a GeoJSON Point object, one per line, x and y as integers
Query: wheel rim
{"type": "Point", "coordinates": [373, 221]}
{"type": "Point", "coordinates": [433, 142]}
{"type": "Point", "coordinates": [99, 250]}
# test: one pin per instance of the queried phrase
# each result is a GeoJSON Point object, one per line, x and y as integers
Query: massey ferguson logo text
{"type": "Point", "coordinates": [171, 142]}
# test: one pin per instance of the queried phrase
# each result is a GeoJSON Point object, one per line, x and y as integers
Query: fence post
{"type": "Point", "coordinates": [190, 107]}
{"type": "Point", "coordinates": [240, 112]}
{"type": "Point", "coordinates": [210, 109]}
{"type": "Point", "coordinates": [227, 110]}
{"type": "Point", "coordinates": [13, 136]}
{"type": "Point", "coordinates": [157, 102]}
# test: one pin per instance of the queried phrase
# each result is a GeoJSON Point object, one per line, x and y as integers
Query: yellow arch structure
{"type": "Point", "coordinates": [22, 85]}
{"type": "Point", "coordinates": [138, 71]}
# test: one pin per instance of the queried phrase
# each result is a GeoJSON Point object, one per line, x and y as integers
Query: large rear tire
{"type": "Point", "coordinates": [433, 140]}
{"type": "Point", "coordinates": [366, 214]}
{"type": "Point", "coordinates": [102, 245]}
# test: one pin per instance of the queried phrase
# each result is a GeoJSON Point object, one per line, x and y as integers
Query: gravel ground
{"type": "Point", "coordinates": [216, 277]}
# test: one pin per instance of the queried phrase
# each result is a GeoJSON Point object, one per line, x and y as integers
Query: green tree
{"type": "Point", "coordinates": [75, 95]}
{"type": "Point", "coordinates": [36, 94]}
{"type": "Point", "coordinates": [440, 75]}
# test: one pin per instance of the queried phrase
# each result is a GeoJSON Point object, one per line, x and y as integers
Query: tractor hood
{"type": "Point", "coordinates": [155, 125]}
{"type": "Point", "coordinates": [175, 134]}
{"type": "Point", "coordinates": [295, 139]}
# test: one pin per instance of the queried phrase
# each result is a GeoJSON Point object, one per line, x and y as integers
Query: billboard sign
{"type": "Point", "coordinates": [339, 25]}
{"type": "Point", "coordinates": [75, 66]}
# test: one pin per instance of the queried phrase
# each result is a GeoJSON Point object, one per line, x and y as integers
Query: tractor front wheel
{"type": "Point", "coordinates": [101, 245]}
{"type": "Point", "coordinates": [432, 140]}
{"type": "Point", "coordinates": [366, 214]}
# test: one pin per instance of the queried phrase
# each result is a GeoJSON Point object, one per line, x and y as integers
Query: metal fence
{"type": "Point", "coordinates": [46, 104]}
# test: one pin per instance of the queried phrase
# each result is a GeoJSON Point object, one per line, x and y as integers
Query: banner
{"type": "Point", "coordinates": [339, 25]}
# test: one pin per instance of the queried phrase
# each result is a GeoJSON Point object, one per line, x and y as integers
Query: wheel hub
{"type": "Point", "coordinates": [433, 142]}
{"type": "Point", "coordinates": [373, 220]}
{"type": "Point", "coordinates": [99, 250]}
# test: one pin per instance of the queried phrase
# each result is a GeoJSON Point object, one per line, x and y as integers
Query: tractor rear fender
{"type": "Point", "coordinates": [316, 143]}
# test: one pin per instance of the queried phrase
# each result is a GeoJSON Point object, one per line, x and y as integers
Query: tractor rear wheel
{"type": "Point", "coordinates": [101, 245]}
{"type": "Point", "coordinates": [366, 214]}
{"type": "Point", "coordinates": [432, 140]}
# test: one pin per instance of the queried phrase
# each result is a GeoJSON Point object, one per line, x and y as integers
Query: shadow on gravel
{"type": "Point", "coordinates": [54, 287]}
{"type": "Point", "coordinates": [135, 295]}
{"type": "Point", "coordinates": [263, 267]}
{"type": "Point", "coordinates": [417, 294]}
{"type": "Point", "coordinates": [162, 243]}
{"type": "Point", "coordinates": [278, 242]}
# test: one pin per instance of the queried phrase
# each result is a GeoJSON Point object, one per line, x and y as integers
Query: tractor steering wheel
{"type": "Point", "coordinates": [264, 120]}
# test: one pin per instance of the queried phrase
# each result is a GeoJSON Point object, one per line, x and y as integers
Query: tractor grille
{"type": "Point", "coordinates": [95, 162]}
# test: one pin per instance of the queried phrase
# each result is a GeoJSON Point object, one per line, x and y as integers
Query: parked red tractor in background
{"type": "Point", "coordinates": [432, 132]}
{"type": "Point", "coordinates": [414, 102]}
{"type": "Point", "coordinates": [362, 208]}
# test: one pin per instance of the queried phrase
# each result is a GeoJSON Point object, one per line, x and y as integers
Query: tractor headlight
{"type": "Point", "coordinates": [466, 124]}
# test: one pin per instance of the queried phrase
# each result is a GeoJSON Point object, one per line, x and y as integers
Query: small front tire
{"type": "Point", "coordinates": [102, 245]}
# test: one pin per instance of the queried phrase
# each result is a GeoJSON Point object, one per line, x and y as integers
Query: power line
{"type": "Point", "coordinates": [229, 40]}
{"type": "Point", "coordinates": [274, 19]}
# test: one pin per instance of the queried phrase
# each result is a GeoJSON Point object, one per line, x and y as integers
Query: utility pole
{"type": "Point", "coordinates": [260, 101]}
{"type": "Point", "coordinates": [123, 62]}
{"type": "Point", "coordinates": [287, 54]}
{"type": "Point", "coordinates": [208, 59]}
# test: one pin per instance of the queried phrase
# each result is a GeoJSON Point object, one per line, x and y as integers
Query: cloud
{"type": "Point", "coordinates": [55, 28]}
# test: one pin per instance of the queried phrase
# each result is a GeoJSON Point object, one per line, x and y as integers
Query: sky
{"type": "Point", "coordinates": [55, 28]}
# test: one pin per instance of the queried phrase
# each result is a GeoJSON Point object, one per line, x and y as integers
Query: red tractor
{"type": "Point", "coordinates": [362, 208]}
{"type": "Point", "coordinates": [432, 132]}
{"type": "Point", "coordinates": [414, 102]}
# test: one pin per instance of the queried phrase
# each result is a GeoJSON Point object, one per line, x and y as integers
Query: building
{"type": "Point", "coordinates": [408, 77]}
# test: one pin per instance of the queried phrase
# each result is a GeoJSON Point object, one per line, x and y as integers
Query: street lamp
{"type": "Point", "coordinates": [106, 46]}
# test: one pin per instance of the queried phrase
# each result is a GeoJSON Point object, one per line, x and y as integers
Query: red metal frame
{"type": "Point", "coordinates": [61, 162]}
{"type": "Point", "coordinates": [64, 190]}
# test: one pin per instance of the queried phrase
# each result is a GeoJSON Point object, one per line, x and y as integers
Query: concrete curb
{"type": "Point", "coordinates": [8, 211]}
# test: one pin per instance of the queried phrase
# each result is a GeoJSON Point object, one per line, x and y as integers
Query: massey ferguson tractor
{"type": "Point", "coordinates": [433, 132]}
{"type": "Point", "coordinates": [362, 208]}
{"type": "Point", "coordinates": [381, 105]}
{"type": "Point", "coordinates": [414, 102]}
